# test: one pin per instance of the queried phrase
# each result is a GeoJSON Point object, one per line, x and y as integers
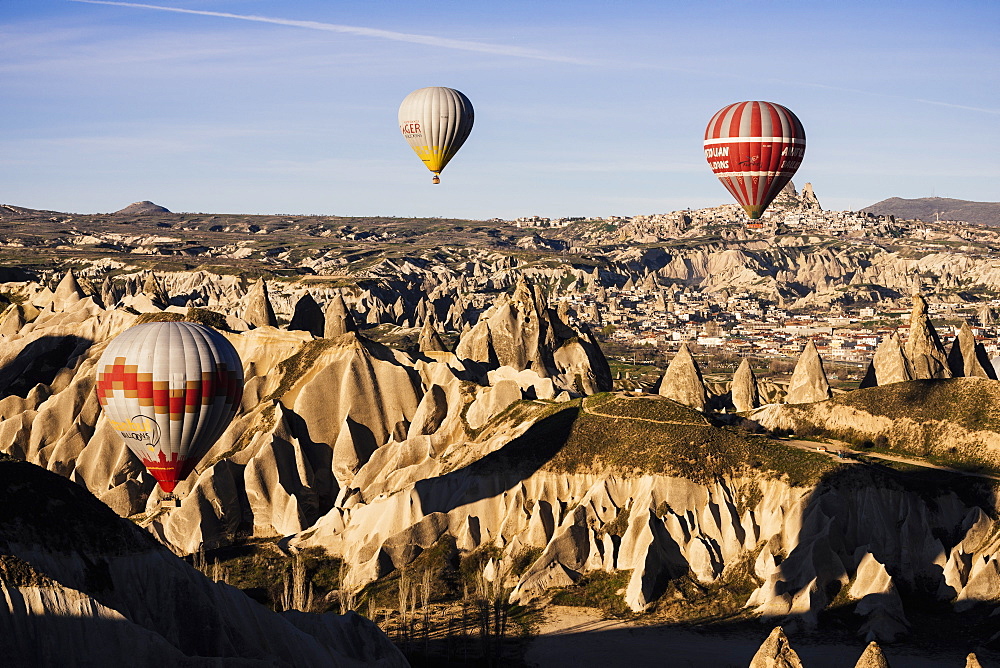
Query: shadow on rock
{"type": "Point", "coordinates": [500, 470]}
{"type": "Point", "coordinates": [890, 554]}
{"type": "Point", "coordinates": [39, 362]}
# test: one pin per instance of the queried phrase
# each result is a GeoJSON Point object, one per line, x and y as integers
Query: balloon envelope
{"type": "Point", "coordinates": [754, 148]}
{"type": "Point", "coordinates": [435, 122]}
{"type": "Point", "coordinates": [169, 389]}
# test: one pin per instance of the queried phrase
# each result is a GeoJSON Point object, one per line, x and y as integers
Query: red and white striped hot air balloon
{"type": "Point", "coordinates": [754, 148]}
{"type": "Point", "coordinates": [170, 389]}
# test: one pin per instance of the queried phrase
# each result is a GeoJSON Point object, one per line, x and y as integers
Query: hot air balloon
{"type": "Point", "coordinates": [169, 389]}
{"type": "Point", "coordinates": [435, 122]}
{"type": "Point", "coordinates": [754, 148]}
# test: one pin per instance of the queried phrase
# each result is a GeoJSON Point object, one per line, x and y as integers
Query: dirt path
{"type": "Point", "coordinates": [571, 637]}
{"type": "Point", "coordinates": [591, 411]}
{"type": "Point", "coordinates": [834, 447]}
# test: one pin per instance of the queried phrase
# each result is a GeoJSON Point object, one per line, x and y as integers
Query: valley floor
{"type": "Point", "coordinates": [576, 636]}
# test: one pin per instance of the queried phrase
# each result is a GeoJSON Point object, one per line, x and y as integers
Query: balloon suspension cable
{"type": "Point", "coordinates": [436, 179]}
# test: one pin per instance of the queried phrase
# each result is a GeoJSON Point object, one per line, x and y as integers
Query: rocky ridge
{"type": "Point", "coordinates": [376, 455]}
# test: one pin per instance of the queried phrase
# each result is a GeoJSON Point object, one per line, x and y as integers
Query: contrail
{"type": "Point", "coordinates": [496, 49]}
{"type": "Point", "coordinates": [428, 40]}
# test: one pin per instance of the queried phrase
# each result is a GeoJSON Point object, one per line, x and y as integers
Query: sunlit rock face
{"type": "Point", "coordinates": [808, 381]}
{"type": "Point", "coordinates": [682, 381]}
{"type": "Point", "coordinates": [522, 332]}
{"type": "Point", "coordinates": [376, 455]}
{"type": "Point", "coordinates": [923, 347]}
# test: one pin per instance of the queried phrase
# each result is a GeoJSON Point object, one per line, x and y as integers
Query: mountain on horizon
{"type": "Point", "coordinates": [138, 208]}
{"type": "Point", "coordinates": [930, 209]}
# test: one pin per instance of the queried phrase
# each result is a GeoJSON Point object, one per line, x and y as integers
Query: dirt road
{"type": "Point", "coordinates": [833, 447]}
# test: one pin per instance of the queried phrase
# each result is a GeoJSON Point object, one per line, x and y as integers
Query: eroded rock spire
{"type": "Point", "coordinates": [923, 348]}
{"type": "Point", "coordinates": [967, 358]}
{"type": "Point", "coordinates": [259, 312]}
{"type": "Point", "coordinates": [889, 364]}
{"type": "Point", "coordinates": [338, 318]}
{"type": "Point", "coordinates": [744, 390]}
{"type": "Point", "coordinates": [809, 381]}
{"type": "Point", "coordinates": [776, 652]}
{"type": "Point", "coordinates": [682, 381]}
{"type": "Point", "coordinates": [308, 316]}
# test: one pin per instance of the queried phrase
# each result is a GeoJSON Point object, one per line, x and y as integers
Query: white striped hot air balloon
{"type": "Point", "coordinates": [169, 389]}
{"type": "Point", "coordinates": [435, 122]}
{"type": "Point", "coordinates": [754, 148]}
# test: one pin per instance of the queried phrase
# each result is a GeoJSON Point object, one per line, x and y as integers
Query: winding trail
{"type": "Point", "coordinates": [591, 411]}
{"type": "Point", "coordinates": [835, 447]}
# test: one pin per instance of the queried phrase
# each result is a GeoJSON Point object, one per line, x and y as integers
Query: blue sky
{"type": "Point", "coordinates": [582, 108]}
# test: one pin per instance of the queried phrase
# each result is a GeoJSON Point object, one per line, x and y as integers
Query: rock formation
{"type": "Point", "coordinates": [154, 291]}
{"type": "Point", "coordinates": [972, 661]}
{"type": "Point", "coordinates": [808, 381]}
{"type": "Point", "coordinates": [872, 657]}
{"type": "Point", "coordinates": [809, 199]}
{"type": "Point", "coordinates": [743, 390]}
{"type": "Point", "coordinates": [109, 295]}
{"type": "Point", "coordinates": [878, 602]}
{"type": "Point", "coordinates": [776, 652]}
{"type": "Point", "coordinates": [258, 311]}
{"type": "Point", "coordinates": [522, 332]}
{"type": "Point", "coordinates": [889, 364]}
{"type": "Point", "coordinates": [923, 348]}
{"type": "Point", "coordinates": [308, 316]}
{"type": "Point", "coordinates": [377, 456]}
{"type": "Point", "coordinates": [430, 340]}
{"type": "Point", "coordinates": [967, 358]}
{"type": "Point", "coordinates": [67, 292]}
{"type": "Point", "coordinates": [338, 318]}
{"type": "Point", "coordinates": [682, 381]}
{"type": "Point", "coordinates": [80, 585]}
{"type": "Point", "coordinates": [12, 320]}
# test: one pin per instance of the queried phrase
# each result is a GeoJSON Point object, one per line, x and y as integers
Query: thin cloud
{"type": "Point", "coordinates": [427, 40]}
{"type": "Point", "coordinates": [511, 51]}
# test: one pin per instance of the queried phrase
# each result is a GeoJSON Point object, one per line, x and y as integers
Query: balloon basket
{"type": "Point", "coordinates": [436, 179]}
{"type": "Point", "coordinates": [169, 501]}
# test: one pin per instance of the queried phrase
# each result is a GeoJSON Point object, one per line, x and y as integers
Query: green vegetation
{"type": "Point", "coordinates": [972, 405]}
{"type": "Point", "coordinates": [449, 574]}
{"type": "Point", "coordinates": [688, 601]}
{"type": "Point", "coordinates": [597, 589]}
{"type": "Point", "coordinates": [260, 569]}
{"type": "Point", "coordinates": [653, 436]}
{"type": "Point", "coordinates": [928, 416]}
{"type": "Point", "coordinates": [644, 408]}
{"type": "Point", "coordinates": [207, 317]}
{"type": "Point", "coordinates": [200, 315]}
{"type": "Point", "coordinates": [15, 572]}
{"type": "Point", "coordinates": [400, 338]}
